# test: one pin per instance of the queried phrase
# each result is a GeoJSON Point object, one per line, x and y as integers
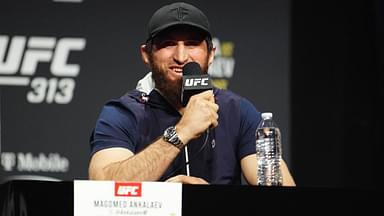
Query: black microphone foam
{"type": "Point", "coordinates": [194, 81]}
{"type": "Point", "coordinates": [192, 68]}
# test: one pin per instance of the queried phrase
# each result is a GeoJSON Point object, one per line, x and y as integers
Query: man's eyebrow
{"type": "Point", "coordinates": [174, 37]}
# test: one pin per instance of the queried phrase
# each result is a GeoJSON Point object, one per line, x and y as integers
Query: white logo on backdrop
{"type": "Point", "coordinates": [223, 66]}
{"type": "Point", "coordinates": [19, 60]}
{"type": "Point", "coordinates": [27, 162]}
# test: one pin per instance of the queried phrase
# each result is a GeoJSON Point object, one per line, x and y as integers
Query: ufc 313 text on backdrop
{"type": "Point", "coordinates": [19, 59]}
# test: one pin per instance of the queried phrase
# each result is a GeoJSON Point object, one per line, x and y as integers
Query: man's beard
{"type": "Point", "coordinates": [170, 90]}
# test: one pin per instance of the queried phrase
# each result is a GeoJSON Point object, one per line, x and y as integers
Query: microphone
{"type": "Point", "coordinates": [194, 81]}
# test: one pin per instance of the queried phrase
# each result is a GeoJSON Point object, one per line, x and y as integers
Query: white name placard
{"type": "Point", "coordinates": [112, 198]}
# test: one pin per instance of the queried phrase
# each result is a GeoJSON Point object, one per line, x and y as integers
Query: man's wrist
{"type": "Point", "coordinates": [170, 135]}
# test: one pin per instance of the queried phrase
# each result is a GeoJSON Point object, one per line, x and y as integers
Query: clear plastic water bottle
{"type": "Point", "coordinates": [268, 151]}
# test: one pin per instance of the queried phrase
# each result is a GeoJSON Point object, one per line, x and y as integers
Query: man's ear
{"type": "Point", "coordinates": [144, 54]}
{"type": "Point", "coordinates": [211, 56]}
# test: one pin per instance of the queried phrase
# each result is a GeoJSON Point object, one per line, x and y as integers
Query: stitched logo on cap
{"type": "Point", "coordinates": [181, 12]}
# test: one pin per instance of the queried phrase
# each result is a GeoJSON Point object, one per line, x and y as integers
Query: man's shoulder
{"type": "Point", "coordinates": [227, 95]}
{"type": "Point", "coordinates": [125, 108]}
{"type": "Point", "coordinates": [133, 99]}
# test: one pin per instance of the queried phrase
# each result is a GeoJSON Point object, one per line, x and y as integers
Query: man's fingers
{"type": "Point", "coordinates": [207, 95]}
{"type": "Point", "coordinates": [187, 179]}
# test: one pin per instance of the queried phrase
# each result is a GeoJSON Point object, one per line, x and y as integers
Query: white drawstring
{"type": "Point", "coordinates": [186, 160]}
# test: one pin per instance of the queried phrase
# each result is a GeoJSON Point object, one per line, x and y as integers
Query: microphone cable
{"type": "Point", "coordinates": [187, 159]}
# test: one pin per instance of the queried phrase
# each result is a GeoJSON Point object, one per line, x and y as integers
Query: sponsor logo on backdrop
{"type": "Point", "coordinates": [223, 66]}
{"type": "Point", "coordinates": [20, 57]}
{"type": "Point", "coordinates": [27, 162]}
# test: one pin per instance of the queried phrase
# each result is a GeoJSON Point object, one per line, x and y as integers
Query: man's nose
{"type": "Point", "coordinates": [181, 53]}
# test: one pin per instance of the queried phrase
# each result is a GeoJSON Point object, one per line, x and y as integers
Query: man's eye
{"type": "Point", "coordinates": [167, 43]}
{"type": "Point", "coordinates": [192, 42]}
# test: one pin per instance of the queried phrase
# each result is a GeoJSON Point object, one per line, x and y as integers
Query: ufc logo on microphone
{"type": "Point", "coordinates": [197, 82]}
{"type": "Point", "coordinates": [129, 189]}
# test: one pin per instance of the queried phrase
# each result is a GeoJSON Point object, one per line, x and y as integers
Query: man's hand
{"type": "Point", "coordinates": [187, 179]}
{"type": "Point", "coordinates": [199, 115]}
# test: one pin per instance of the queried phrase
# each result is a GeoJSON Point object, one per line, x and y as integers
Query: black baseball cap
{"type": "Point", "coordinates": [179, 13]}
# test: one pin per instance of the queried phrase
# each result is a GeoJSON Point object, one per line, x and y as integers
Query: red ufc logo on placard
{"type": "Point", "coordinates": [132, 189]}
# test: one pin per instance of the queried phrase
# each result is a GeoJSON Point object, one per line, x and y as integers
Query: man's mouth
{"type": "Point", "coordinates": [177, 69]}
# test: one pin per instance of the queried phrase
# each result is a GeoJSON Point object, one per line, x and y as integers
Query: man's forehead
{"type": "Point", "coordinates": [181, 31]}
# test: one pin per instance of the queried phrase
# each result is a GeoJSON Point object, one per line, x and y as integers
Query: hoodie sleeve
{"type": "Point", "coordinates": [249, 119]}
{"type": "Point", "coordinates": [115, 127]}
